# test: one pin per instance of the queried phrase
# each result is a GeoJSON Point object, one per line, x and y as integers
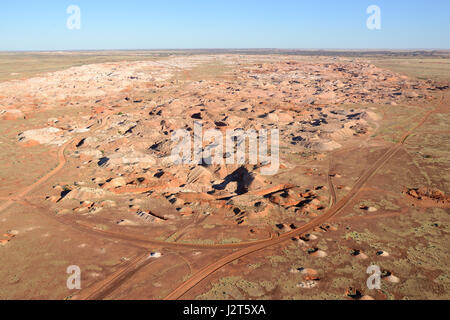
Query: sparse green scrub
{"type": "Point", "coordinates": [388, 205]}
{"type": "Point", "coordinates": [230, 241]}
{"type": "Point", "coordinates": [199, 241]}
{"type": "Point", "coordinates": [232, 288]}
{"type": "Point", "coordinates": [254, 265]}
{"type": "Point", "coordinates": [364, 237]}
{"type": "Point", "coordinates": [274, 260]}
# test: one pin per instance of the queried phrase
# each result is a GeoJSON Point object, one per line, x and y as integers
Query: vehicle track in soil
{"type": "Point", "coordinates": [103, 288]}
{"type": "Point", "coordinates": [61, 163]}
{"type": "Point", "coordinates": [332, 190]}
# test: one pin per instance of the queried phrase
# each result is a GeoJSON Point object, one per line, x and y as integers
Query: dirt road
{"type": "Point", "coordinates": [61, 163]}
{"type": "Point", "coordinates": [102, 288]}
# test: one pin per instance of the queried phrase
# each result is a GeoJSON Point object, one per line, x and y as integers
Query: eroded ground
{"type": "Point", "coordinates": [87, 179]}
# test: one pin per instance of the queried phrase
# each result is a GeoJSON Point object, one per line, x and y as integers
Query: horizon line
{"type": "Point", "coordinates": [237, 49]}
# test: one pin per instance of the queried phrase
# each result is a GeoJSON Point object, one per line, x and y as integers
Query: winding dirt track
{"type": "Point", "coordinates": [332, 212]}
{"type": "Point", "coordinates": [333, 196]}
{"type": "Point", "coordinates": [62, 161]}
{"type": "Point", "coordinates": [101, 289]}
{"type": "Point", "coordinates": [148, 243]}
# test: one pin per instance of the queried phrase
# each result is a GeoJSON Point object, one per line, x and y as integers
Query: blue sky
{"type": "Point", "coordinates": [148, 24]}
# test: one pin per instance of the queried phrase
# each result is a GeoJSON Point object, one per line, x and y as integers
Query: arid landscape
{"type": "Point", "coordinates": [87, 178]}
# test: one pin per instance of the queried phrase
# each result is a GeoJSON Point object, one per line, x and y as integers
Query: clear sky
{"type": "Point", "coordinates": [181, 24]}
